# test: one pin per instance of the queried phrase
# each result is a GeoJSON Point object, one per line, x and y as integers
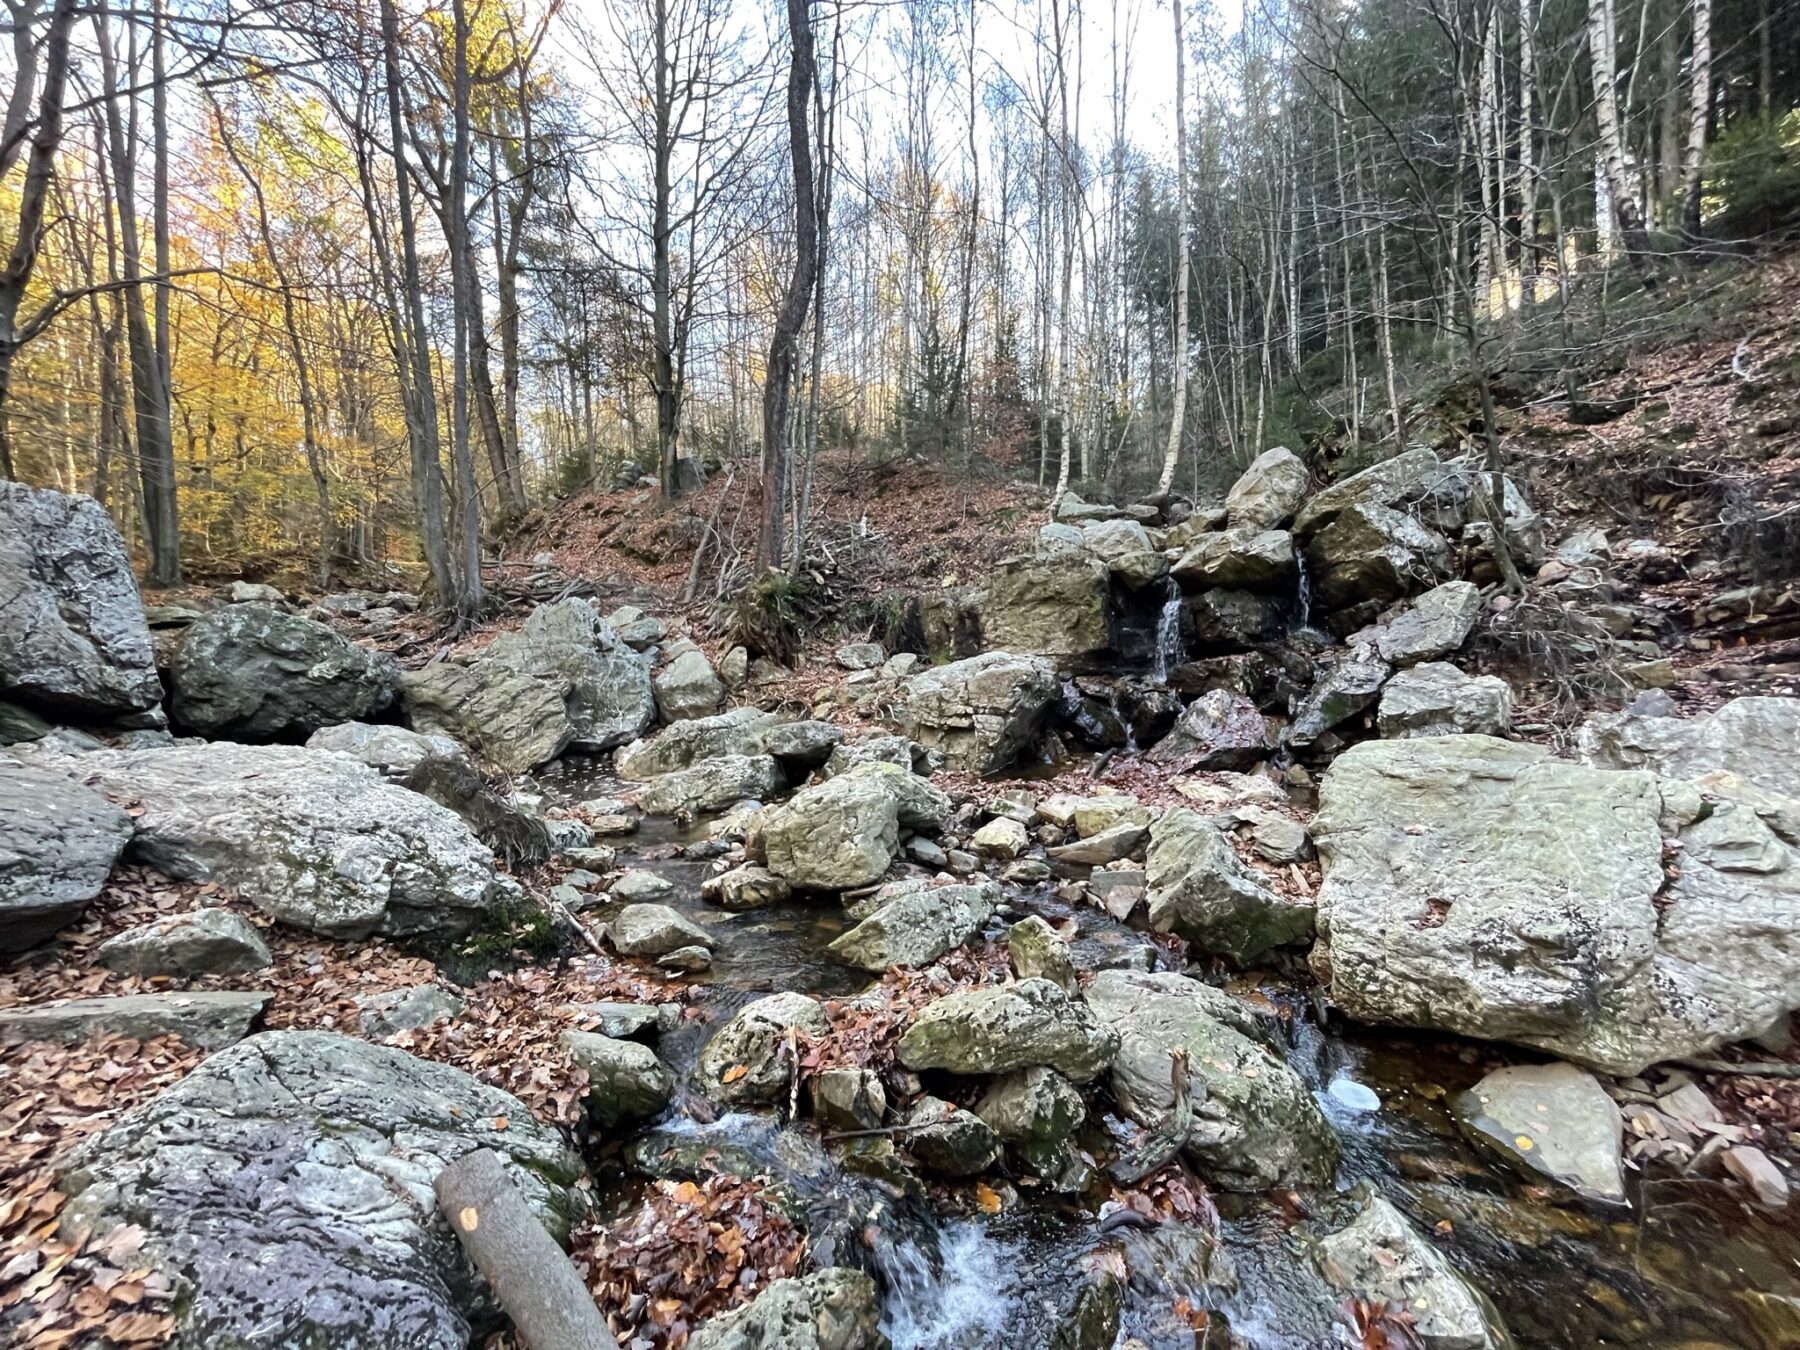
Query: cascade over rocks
{"type": "Point", "coordinates": [310, 837]}
{"type": "Point", "coordinates": [1255, 1123]}
{"type": "Point", "coordinates": [1482, 887]}
{"type": "Point", "coordinates": [72, 633]}
{"type": "Point", "coordinates": [252, 672]}
{"type": "Point", "coordinates": [285, 1186]}
{"type": "Point", "coordinates": [845, 832]}
{"type": "Point", "coordinates": [1198, 888]}
{"type": "Point", "coordinates": [58, 843]}
{"type": "Point", "coordinates": [983, 713]}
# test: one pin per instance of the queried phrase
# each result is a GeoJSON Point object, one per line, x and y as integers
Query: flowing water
{"type": "Point", "coordinates": [1690, 1266]}
{"type": "Point", "coordinates": [1169, 652]}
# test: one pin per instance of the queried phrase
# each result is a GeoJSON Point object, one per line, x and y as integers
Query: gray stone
{"type": "Point", "coordinates": [1047, 607]}
{"type": "Point", "coordinates": [72, 632]}
{"type": "Point", "coordinates": [1035, 1110]}
{"type": "Point", "coordinates": [254, 673]}
{"type": "Point", "coordinates": [948, 1141]}
{"type": "Point", "coordinates": [1104, 811]}
{"type": "Point", "coordinates": [1200, 889]}
{"type": "Point", "coordinates": [845, 832]}
{"type": "Point", "coordinates": [1269, 492]}
{"type": "Point", "coordinates": [1058, 537]}
{"type": "Point", "coordinates": [1341, 691]}
{"type": "Point", "coordinates": [205, 942]}
{"type": "Point", "coordinates": [1554, 1120]}
{"type": "Point", "coordinates": [1255, 1124]}
{"type": "Point", "coordinates": [925, 852]}
{"type": "Point", "coordinates": [1374, 553]}
{"type": "Point", "coordinates": [748, 887]}
{"type": "Point", "coordinates": [859, 656]}
{"type": "Point", "coordinates": [654, 930]}
{"type": "Point", "coordinates": [509, 720]}
{"type": "Point", "coordinates": [395, 1010]}
{"type": "Point", "coordinates": [1755, 740]}
{"type": "Point", "coordinates": [1437, 699]}
{"type": "Point", "coordinates": [623, 1021]}
{"type": "Point", "coordinates": [687, 688]}
{"type": "Point", "coordinates": [640, 884]}
{"type": "Point", "coordinates": [1277, 838]}
{"type": "Point", "coordinates": [831, 1309]}
{"type": "Point", "coordinates": [712, 785]}
{"type": "Point", "coordinates": [285, 1186]}
{"type": "Point", "coordinates": [984, 713]}
{"type": "Point", "coordinates": [20, 725]}
{"type": "Point", "coordinates": [1219, 730]}
{"type": "Point", "coordinates": [395, 751]}
{"type": "Point", "coordinates": [734, 667]}
{"type": "Point", "coordinates": [1037, 953]}
{"type": "Point", "coordinates": [626, 1081]}
{"type": "Point", "coordinates": [756, 1041]}
{"type": "Point", "coordinates": [1001, 837]}
{"type": "Point", "coordinates": [606, 688]}
{"type": "Point", "coordinates": [1000, 1029]}
{"type": "Point", "coordinates": [256, 593]}
{"type": "Point", "coordinates": [900, 665]}
{"type": "Point", "coordinates": [1383, 1260]}
{"type": "Point", "coordinates": [1109, 845]}
{"type": "Point", "coordinates": [312, 838]}
{"type": "Point", "coordinates": [686, 960]}
{"type": "Point", "coordinates": [1436, 624]}
{"type": "Point", "coordinates": [206, 1019]}
{"type": "Point", "coordinates": [1437, 490]}
{"type": "Point", "coordinates": [58, 843]}
{"type": "Point", "coordinates": [739, 731]}
{"type": "Point", "coordinates": [916, 928]}
{"type": "Point", "coordinates": [1229, 617]}
{"type": "Point", "coordinates": [1257, 560]}
{"type": "Point", "coordinates": [848, 1099]}
{"type": "Point", "coordinates": [801, 746]}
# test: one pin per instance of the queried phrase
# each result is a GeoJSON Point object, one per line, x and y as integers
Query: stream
{"type": "Point", "coordinates": [1691, 1265]}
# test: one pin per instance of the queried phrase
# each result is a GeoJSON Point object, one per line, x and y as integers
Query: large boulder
{"type": "Point", "coordinates": [605, 687]}
{"type": "Point", "coordinates": [688, 687]}
{"type": "Point", "coordinates": [984, 713]}
{"type": "Point", "coordinates": [1255, 1123]}
{"type": "Point", "coordinates": [626, 1081]}
{"type": "Point", "coordinates": [650, 929]}
{"type": "Point", "coordinates": [256, 673]}
{"type": "Point", "coordinates": [1375, 553]}
{"type": "Point", "coordinates": [512, 722]}
{"type": "Point", "coordinates": [58, 843]}
{"type": "Point", "coordinates": [1218, 730]}
{"type": "Point", "coordinates": [1482, 887]}
{"type": "Point", "coordinates": [72, 632]}
{"type": "Point", "coordinates": [712, 785]}
{"type": "Point", "coordinates": [1014, 1026]}
{"type": "Point", "coordinates": [1200, 889]}
{"type": "Point", "coordinates": [845, 831]}
{"type": "Point", "coordinates": [395, 751]}
{"type": "Point", "coordinates": [738, 731]}
{"type": "Point", "coordinates": [746, 1061]}
{"type": "Point", "coordinates": [1267, 493]}
{"type": "Point", "coordinates": [1231, 618]}
{"type": "Point", "coordinates": [1341, 690]}
{"type": "Point", "coordinates": [918, 926]}
{"type": "Point", "coordinates": [831, 1309]}
{"type": "Point", "coordinates": [947, 1141]}
{"type": "Point", "coordinates": [285, 1187]}
{"type": "Point", "coordinates": [1430, 488]}
{"type": "Point", "coordinates": [1437, 699]}
{"type": "Point", "coordinates": [312, 838]}
{"type": "Point", "coordinates": [1257, 560]}
{"type": "Point", "coordinates": [1056, 606]}
{"type": "Point", "coordinates": [1436, 624]}
{"type": "Point", "coordinates": [1748, 741]}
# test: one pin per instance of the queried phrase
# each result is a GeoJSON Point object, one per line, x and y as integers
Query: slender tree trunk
{"type": "Point", "coordinates": [1700, 107]}
{"type": "Point", "coordinates": [1528, 174]}
{"type": "Point", "coordinates": [1602, 45]}
{"type": "Point", "coordinates": [469, 599]}
{"type": "Point", "coordinates": [1179, 356]}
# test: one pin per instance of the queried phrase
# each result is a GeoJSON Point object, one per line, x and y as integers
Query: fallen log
{"type": "Point", "coordinates": [531, 1277]}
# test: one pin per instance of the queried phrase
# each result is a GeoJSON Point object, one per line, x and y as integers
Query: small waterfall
{"type": "Point", "coordinates": [1302, 592]}
{"type": "Point", "coordinates": [1168, 631]}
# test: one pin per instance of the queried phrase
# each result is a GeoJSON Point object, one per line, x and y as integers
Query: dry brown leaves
{"type": "Point", "coordinates": [689, 1250]}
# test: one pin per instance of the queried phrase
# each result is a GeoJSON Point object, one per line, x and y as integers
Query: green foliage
{"type": "Point", "coordinates": [1753, 175]}
{"type": "Point", "coordinates": [769, 615]}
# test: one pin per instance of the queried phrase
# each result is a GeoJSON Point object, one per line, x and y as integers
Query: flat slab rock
{"type": "Point", "coordinates": [1554, 1120]}
{"type": "Point", "coordinates": [58, 842]}
{"type": "Point", "coordinates": [285, 1185]}
{"type": "Point", "coordinates": [206, 1019]}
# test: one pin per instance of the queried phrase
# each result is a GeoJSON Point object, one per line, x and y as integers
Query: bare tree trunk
{"type": "Point", "coordinates": [469, 597]}
{"type": "Point", "coordinates": [1700, 106]}
{"type": "Point", "coordinates": [772, 542]}
{"type": "Point", "coordinates": [1602, 44]}
{"type": "Point", "coordinates": [826, 130]}
{"type": "Point", "coordinates": [1179, 357]}
{"type": "Point", "coordinates": [1528, 173]}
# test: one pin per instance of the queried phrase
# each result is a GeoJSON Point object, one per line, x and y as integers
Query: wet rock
{"type": "Point", "coordinates": [1434, 489]}
{"type": "Point", "coordinates": [1255, 1122]}
{"type": "Point", "coordinates": [640, 884]}
{"type": "Point", "coordinates": [712, 785]}
{"type": "Point", "coordinates": [1437, 699]}
{"type": "Point", "coordinates": [72, 632]}
{"type": "Point", "coordinates": [626, 1081]}
{"type": "Point", "coordinates": [1375, 553]}
{"type": "Point", "coordinates": [285, 1185]}
{"type": "Point", "coordinates": [803, 746]}
{"type": "Point", "coordinates": [983, 713]}
{"type": "Point", "coordinates": [997, 1030]}
{"type": "Point", "coordinates": [1755, 1169]}
{"type": "Point", "coordinates": [1109, 845]}
{"type": "Point", "coordinates": [687, 688]}
{"type": "Point", "coordinates": [1436, 624]}
{"type": "Point", "coordinates": [395, 751]}
{"type": "Point", "coordinates": [859, 656]}
{"type": "Point", "coordinates": [1047, 607]}
{"type": "Point", "coordinates": [206, 1019]}
{"type": "Point", "coordinates": [1000, 838]}
{"type": "Point", "coordinates": [1342, 690]}
{"type": "Point", "coordinates": [512, 722]}
{"type": "Point", "coordinates": [1117, 890]}
{"type": "Point", "coordinates": [740, 731]}
{"type": "Point", "coordinates": [831, 1309]}
{"type": "Point", "coordinates": [1755, 740]}
{"type": "Point", "coordinates": [1551, 1119]}
{"type": "Point", "coordinates": [1382, 1259]}
{"type": "Point", "coordinates": [1231, 618]}
{"type": "Point", "coordinates": [948, 1141]}
{"type": "Point", "coordinates": [206, 942]}
{"type": "Point", "coordinates": [845, 832]}
{"type": "Point", "coordinates": [623, 1021]}
{"type": "Point", "coordinates": [312, 838]}
{"type": "Point", "coordinates": [1025, 871]}
{"type": "Point", "coordinates": [653, 930]}
{"type": "Point", "coordinates": [748, 887]}
{"type": "Point", "coordinates": [58, 843]}
{"type": "Point", "coordinates": [1219, 730]}
{"type": "Point", "coordinates": [1269, 492]}
{"type": "Point", "coordinates": [1252, 559]}
{"type": "Point", "coordinates": [396, 1010]}
{"type": "Point", "coordinates": [1200, 889]}
{"type": "Point", "coordinates": [254, 673]}
{"type": "Point", "coordinates": [848, 1099]}
{"type": "Point", "coordinates": [20, 725]}
{"type": "Point", "coordinates": [686, 960]}
{"type": "Point", "coordinates": [918, 926]}
{"type": "Point", "coordinates": [1036, 952]}
{"type": "Point", "coordinates": [755, 1042]}
{"type": "Point", "coordinates": [1035, 1110]}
